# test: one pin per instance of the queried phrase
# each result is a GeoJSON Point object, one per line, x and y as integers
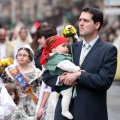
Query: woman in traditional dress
{"type": "Point", "coordinates": [27, 78]}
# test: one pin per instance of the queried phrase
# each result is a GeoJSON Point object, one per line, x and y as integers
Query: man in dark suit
{"type": "Point", "coordinates": [98, 67]}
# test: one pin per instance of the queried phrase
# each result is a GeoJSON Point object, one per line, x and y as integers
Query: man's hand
{"type": "Point", "coordinates": [70, 78]}
{"type": "Point", "coordinates": [62, 77]}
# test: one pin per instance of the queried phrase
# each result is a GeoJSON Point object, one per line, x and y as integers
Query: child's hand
{"type": "Point", "coordinates": [39, 113]}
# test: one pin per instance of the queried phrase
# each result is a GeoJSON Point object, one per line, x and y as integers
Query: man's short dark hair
{"type": "Point", "coordinates": [97, 15]}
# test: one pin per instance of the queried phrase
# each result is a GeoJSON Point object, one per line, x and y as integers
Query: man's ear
{"type": "Point", "coordinates": [97, 25]}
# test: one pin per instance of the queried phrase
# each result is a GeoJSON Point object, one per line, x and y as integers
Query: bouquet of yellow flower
{"type": "Point", "coordinates": [5, 63]}
{"type": "Point", "coordinates": [69, 31]}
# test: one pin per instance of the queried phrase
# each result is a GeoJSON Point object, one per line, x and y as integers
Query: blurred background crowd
{"type": "Point", "coordinates": [30, 15]}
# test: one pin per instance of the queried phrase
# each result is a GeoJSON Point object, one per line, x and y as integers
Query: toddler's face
{"type": "Point", "coordinates": [62, 48]}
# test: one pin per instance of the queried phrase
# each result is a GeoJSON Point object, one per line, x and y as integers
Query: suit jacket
{"type": "Point", "coordinates": [100, 66]}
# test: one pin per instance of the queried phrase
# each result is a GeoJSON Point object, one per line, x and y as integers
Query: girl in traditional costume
{"type": "Point", "coordinates": [26, 77]}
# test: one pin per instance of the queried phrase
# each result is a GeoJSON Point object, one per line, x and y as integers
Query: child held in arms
{"type": "Point", "coordinates": [56, 59]}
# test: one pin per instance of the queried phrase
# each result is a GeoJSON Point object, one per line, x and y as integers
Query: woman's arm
{"type": "Point", "coordinates": [42, 105]}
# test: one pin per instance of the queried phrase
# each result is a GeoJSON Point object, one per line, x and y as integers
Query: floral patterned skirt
{"type": "Point", "coordinates": [49, 109]}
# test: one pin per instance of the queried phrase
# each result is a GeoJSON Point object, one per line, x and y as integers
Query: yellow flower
{"type": "Point", "coordinates": [11, 60]}
{"type": "Point", "coordinates": [69, 31]}
{"type": "Point", "coordinates": [8, 62]}
{"type": "Point", "coordinates": [0, 64]}
{"type": "Point", "coordinates": [3, 62]}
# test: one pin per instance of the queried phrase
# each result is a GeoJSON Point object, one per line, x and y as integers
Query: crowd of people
{"type": "Point", "coordinates": [51, 79]}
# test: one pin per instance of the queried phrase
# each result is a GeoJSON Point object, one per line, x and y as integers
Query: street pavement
{"type": "Point", "coordinates": [113, 101]}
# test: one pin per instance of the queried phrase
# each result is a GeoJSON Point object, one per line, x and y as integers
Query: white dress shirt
{"type": "Point", "coordinates": [91, 45]}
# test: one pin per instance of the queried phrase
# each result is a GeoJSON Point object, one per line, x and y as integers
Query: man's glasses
{"type": "Point", "coordinates": [22, 55]}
